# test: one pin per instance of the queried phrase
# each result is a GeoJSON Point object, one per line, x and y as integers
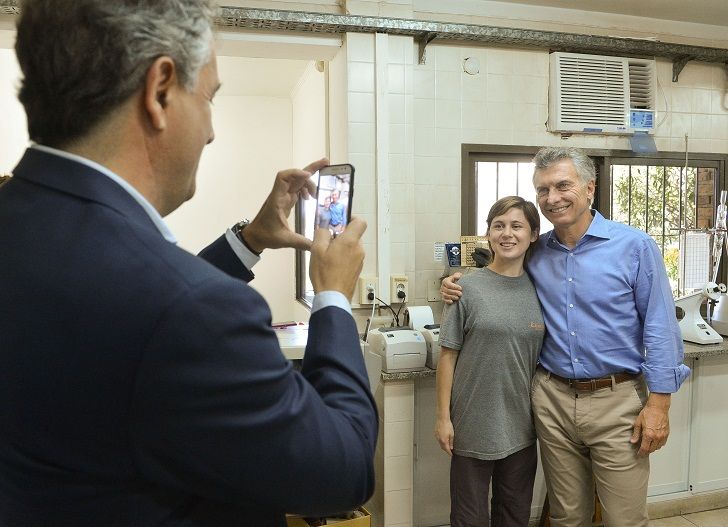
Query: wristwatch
{"type": "Point", "coordinates": [238, 232]}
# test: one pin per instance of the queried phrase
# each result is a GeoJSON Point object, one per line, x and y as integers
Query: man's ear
{"type": "Point", "coordinates": [160, 81]}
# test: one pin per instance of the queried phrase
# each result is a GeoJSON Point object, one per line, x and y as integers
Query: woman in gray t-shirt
{"type": "Point", "coordinates": [490, 343]}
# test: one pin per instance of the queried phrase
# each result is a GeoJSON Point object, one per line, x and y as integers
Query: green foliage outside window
{"type": "Point", "coordinates": [658, 200]}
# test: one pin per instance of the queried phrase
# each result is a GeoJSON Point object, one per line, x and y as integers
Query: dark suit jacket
{"type": "Point", "coordinates": [140, 385]}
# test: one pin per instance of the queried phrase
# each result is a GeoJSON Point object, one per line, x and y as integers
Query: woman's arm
{"type": "Point", "coordinates": [444, 432]}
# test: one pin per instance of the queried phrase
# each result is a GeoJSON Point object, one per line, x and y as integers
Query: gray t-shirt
{"type": "Point", "coordinates": [497, 327]}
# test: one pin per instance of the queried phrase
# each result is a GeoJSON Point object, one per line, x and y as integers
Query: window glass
{"type": "Point", "coordinates": [498, 179]}
{"type": "Point", "coordinates": [660, 200]}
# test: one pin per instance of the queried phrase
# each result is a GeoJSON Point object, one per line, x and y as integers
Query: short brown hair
{"type": "Point", "coordinates": [529, 210]}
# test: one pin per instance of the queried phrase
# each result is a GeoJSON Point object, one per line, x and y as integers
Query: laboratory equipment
{"type": "Point", "coordinates": [431, 332]}
{"type": "Point", "coordinates": [719, 236]}
{"type": "Point", "coordinates": [719, 319]}
{"type": "Point", "coordinates": [401, 348]}
{"type": "Point", "coordinates": [692, 326]}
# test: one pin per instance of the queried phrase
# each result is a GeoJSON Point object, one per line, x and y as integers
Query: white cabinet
{"type": "Point", "coordinates": [669, 466]}
{"type": "Point", "coordinates": [709, 442]}
{"type": "Point", "coordinates": [695, 458]}
{"type": "Point", "coordinates": [432, 464]}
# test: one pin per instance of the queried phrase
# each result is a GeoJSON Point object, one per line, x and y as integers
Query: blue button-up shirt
{"type": "Point", "coordinates": [608, 306]}
{"type": "Point", "coordinates": [336, 213]}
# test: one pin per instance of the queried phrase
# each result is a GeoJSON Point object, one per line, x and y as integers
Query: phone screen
{"type": "Point", "coordinates": [334, 194]}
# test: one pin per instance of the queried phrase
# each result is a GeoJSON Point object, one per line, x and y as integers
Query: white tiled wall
{"type": "Point", "coordinates": [13, 134]}
{"type": "Point", "coordinates": [398, 424]}
{"type": "Point", "coordinates": [435, 107]}
{"type": "Point", "coordinates": [398, 152]}
{"type": "Point", "coordinates": [386, 8]}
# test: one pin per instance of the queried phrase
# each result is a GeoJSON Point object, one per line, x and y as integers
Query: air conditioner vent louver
{"type": "Point", "coordinates": [641, 84]}
{"type": "Point", "coordinates": [592, 93]}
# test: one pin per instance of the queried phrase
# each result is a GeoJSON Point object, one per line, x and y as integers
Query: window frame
{"type": "Point", "coordinates": [301, 267]}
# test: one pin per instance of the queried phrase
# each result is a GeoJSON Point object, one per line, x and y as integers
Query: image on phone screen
{"type": "Point", "coordinates": [333, 198]}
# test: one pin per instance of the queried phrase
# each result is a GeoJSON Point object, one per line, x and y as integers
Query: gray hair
{"type": "Point", "coordinates": [81, 59]}
{"type": "Point", "coordinates": [583, 164]}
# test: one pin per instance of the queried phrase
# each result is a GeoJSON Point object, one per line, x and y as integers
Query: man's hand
{"type": "Point", "coordinates": [652, 424]}
{"type": "Point", "coordinates": [450, 290]}
{"type": "Point", "coordinates": [445, 434]}
{"type": "Point", "coordinates": [269, 229]}
{"type": "Point", "coordinates": [336, 262]}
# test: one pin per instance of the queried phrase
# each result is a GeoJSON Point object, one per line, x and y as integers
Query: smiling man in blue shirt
{"type": "Point", "coordinates": [611, 334]}
{"type": "Point", "coordinates": [337, 212]}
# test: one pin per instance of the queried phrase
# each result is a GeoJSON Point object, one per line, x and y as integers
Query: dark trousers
{"type": "Point", "coordinates": [512, 477]}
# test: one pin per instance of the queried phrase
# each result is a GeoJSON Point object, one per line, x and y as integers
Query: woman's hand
{"type": "Point", "coordinates": [445, 434]}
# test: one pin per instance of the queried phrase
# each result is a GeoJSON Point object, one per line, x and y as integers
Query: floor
{"type": "Point", "coordinates": [714, 518]}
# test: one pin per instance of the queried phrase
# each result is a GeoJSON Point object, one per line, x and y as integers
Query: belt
{"type": "Point", "coordinates": [590, 385]}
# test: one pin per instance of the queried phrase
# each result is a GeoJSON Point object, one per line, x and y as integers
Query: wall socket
{"type": "Point", "coordinates": [365, 282]}
{"type": "Point", "coordinates": [398, 284]}
{"type": "Point", "coordinates": [433, 291]}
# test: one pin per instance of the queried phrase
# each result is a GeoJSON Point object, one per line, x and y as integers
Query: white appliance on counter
{"type": "Point", "coordinates": [719, 318]}
{"type": "Point", "coordinates": [692, 325]}
{"type": "Point", "coordinates": [431, 332]}
{"type": "Point", "coordinates": [402, 348]}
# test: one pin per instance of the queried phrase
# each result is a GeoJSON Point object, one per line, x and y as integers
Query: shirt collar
{"type": "Point", "coordinates": [598, 228]}
{"type": "Point", "coordinates": [134, 193]}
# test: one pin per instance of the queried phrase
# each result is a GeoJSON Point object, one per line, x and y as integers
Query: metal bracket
{"type": "Point", "coordinates": [423, 40]}
{"type": "Point", "coordinates": [677, 66]}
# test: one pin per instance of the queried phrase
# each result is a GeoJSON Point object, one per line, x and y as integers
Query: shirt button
{"type": "Point", "coordinates": [571, 305]}
{"type": "Point", "coordinates": [576, 360]}
{"type": "Point", "coordinates": [571, 279]}
{"type": "Point", "coordinates": [573, 333]}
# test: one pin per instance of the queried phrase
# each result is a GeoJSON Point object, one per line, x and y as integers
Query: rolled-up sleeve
{"type": "Point", "coordinates": [663, 367]}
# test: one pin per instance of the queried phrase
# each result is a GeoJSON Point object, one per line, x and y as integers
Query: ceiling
{"type": "Point", "coordinates": [714, 12]}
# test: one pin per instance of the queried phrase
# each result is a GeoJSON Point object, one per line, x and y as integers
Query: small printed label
{"type": "Point", "coordinates": [439, 254]}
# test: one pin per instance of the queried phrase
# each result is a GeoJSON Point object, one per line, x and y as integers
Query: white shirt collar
{"type": "Point", "coordinates": [134, 193]}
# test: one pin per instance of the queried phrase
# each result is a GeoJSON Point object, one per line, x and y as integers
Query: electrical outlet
{"type": "Point", "coordinates": [398, 285]}
{"type": "Point", "coordinates": [367, 285]}
{"type": "Point", "coordinates": [433, 290]}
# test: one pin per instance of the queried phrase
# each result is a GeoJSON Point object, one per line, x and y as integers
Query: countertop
{"type": "Point", "coordinates": [696, 351]}
{"type": "Point", "coordinates": [692, 351]}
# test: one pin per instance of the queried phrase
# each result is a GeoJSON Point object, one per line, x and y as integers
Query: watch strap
{"type": "Point", "coordinates": [238, 232]}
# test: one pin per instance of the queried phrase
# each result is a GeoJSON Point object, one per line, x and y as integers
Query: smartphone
{"type": "Point", "coordinates": [334, 195]}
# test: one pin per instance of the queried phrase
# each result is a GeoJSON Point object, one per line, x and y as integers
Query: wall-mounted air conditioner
{"type": "Point", "coordinates": [602, 95]}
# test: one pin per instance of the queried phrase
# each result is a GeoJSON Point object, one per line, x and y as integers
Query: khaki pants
{"type": "Point", "coordinates": [584, 439]}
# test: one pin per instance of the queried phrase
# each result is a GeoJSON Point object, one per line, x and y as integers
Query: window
{"type": "Point", "coordinates": [497, 179]}
{"type": "Point", "coordinates": [490, 173]}
{"type": "Point", "coordinates": [662, 196]}
{"type": "Point", "coordinates": [655, 193]}
{"type": "Point", "coordinates": [304, 287]}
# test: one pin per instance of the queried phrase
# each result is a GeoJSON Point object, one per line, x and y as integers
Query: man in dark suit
{"type": "Point", "coordinates": [141, 385]}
